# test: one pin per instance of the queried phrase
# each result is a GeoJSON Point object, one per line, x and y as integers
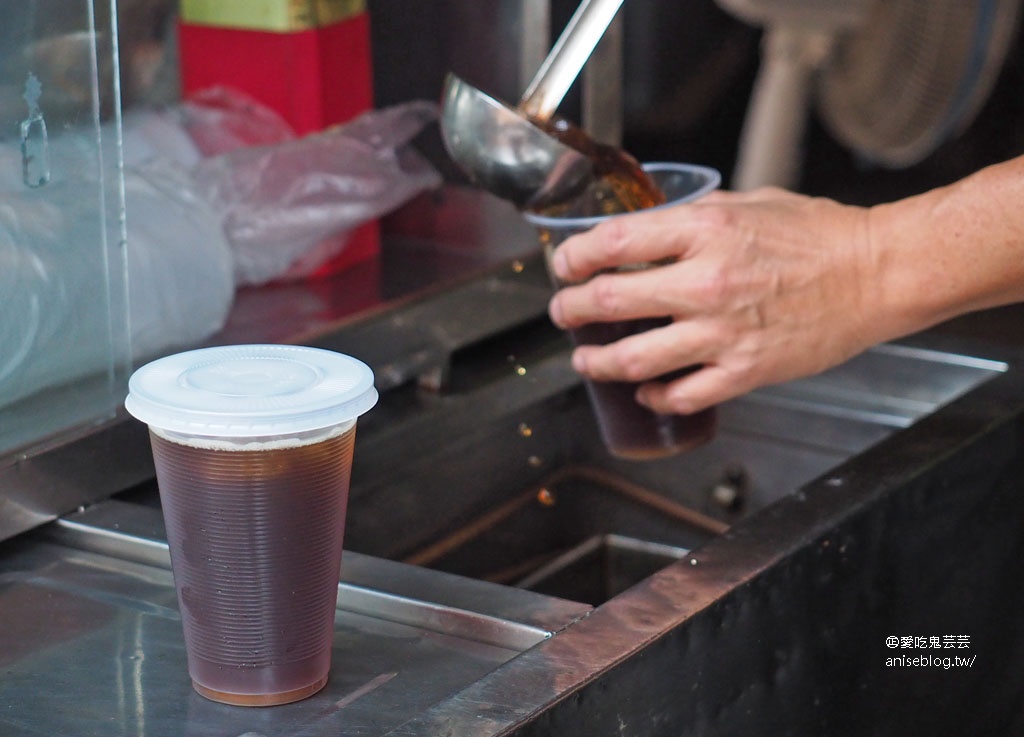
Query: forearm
{"type": "Point", "coordinates": [950, 251]}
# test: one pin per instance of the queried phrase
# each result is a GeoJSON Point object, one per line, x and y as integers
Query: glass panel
{"type": "Point", "coordinates": [64, 345]}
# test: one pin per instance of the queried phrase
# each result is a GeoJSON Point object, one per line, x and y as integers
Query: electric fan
{"type": "Point", "coordinates": [890, 79]}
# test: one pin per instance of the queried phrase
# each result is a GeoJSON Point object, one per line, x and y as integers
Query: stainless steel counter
{"type": "Point", "coordinates": [92, 639]}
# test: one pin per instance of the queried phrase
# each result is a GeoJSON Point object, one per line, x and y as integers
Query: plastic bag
{"type": "Point", "coordinates": [180, 267]}
{"type": "Point", "coordinates": [196, 227]}
{"type": "Point", "coordinates": [221, 119]}
{"type": "Point", "coordinates": [279, 203]}
{"type": "Point", "coordinates": [179, 272]}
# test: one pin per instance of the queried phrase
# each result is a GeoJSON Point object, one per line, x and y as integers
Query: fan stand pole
{"type": "Point", "coordinates": [771, 143]}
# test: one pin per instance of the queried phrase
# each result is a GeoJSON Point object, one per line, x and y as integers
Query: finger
{"type": "Point", "coordinates": [624, 240]}
{"type": "Point", "coordinates": [655, 292]}
{"type": "Point", "coordinates": [648, 354]}
{"type": "Point", "coordinates": [703, 388]}
{"type": "Point", "coordinates": [610, 298]}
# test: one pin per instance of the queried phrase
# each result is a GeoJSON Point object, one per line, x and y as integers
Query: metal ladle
{"type": "Point", "coordinates": [498, 146]}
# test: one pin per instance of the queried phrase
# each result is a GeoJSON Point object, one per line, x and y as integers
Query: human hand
{"type": "Point", "coordinates": [760, 287]}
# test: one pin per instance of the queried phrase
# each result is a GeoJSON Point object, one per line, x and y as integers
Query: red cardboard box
{"type": "Point", "coordinates": [309, 60]}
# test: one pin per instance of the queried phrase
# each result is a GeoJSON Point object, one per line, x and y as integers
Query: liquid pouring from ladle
{"type": "Point", "coordinates": [498, 146]}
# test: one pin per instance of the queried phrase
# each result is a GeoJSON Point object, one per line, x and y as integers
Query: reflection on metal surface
{"type": "Point", "coordinates": [96, 637]}
{"type": "Point", "coordinates": [890, 385]}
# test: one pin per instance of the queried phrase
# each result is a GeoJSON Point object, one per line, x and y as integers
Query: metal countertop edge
{"type": "Point", "coordinates": [510, 618]}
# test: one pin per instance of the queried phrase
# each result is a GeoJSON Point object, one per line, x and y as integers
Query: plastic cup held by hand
{"type": "Point", "coordinates": [253, 449]}
{"type": "Point", "coordinates": [628, 429]}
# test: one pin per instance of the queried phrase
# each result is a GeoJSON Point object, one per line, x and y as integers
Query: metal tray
{"type": "Point", "coordinates": [91, 642]}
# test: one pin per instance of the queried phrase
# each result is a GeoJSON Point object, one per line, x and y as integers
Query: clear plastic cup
{"type": "Point", "coordinates": [628, 429]}
{"type": "Point", "coordinates": [253, 449]}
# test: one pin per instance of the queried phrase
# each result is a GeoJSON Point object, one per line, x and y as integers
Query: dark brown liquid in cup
{"type": "Point", "coordinates": [255, 539]}
{"type": "Point", "coordinates": [628, 429]}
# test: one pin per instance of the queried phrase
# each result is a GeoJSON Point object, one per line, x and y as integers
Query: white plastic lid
{"type": "Point", "coordinates": [251, 391]}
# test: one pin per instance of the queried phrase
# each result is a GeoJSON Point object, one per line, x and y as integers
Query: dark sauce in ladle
{"type": "Point", "coordinates": [619, 183]}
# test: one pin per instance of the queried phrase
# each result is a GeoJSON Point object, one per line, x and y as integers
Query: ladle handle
{"type": "Point", "coordinates": [567, 57]}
